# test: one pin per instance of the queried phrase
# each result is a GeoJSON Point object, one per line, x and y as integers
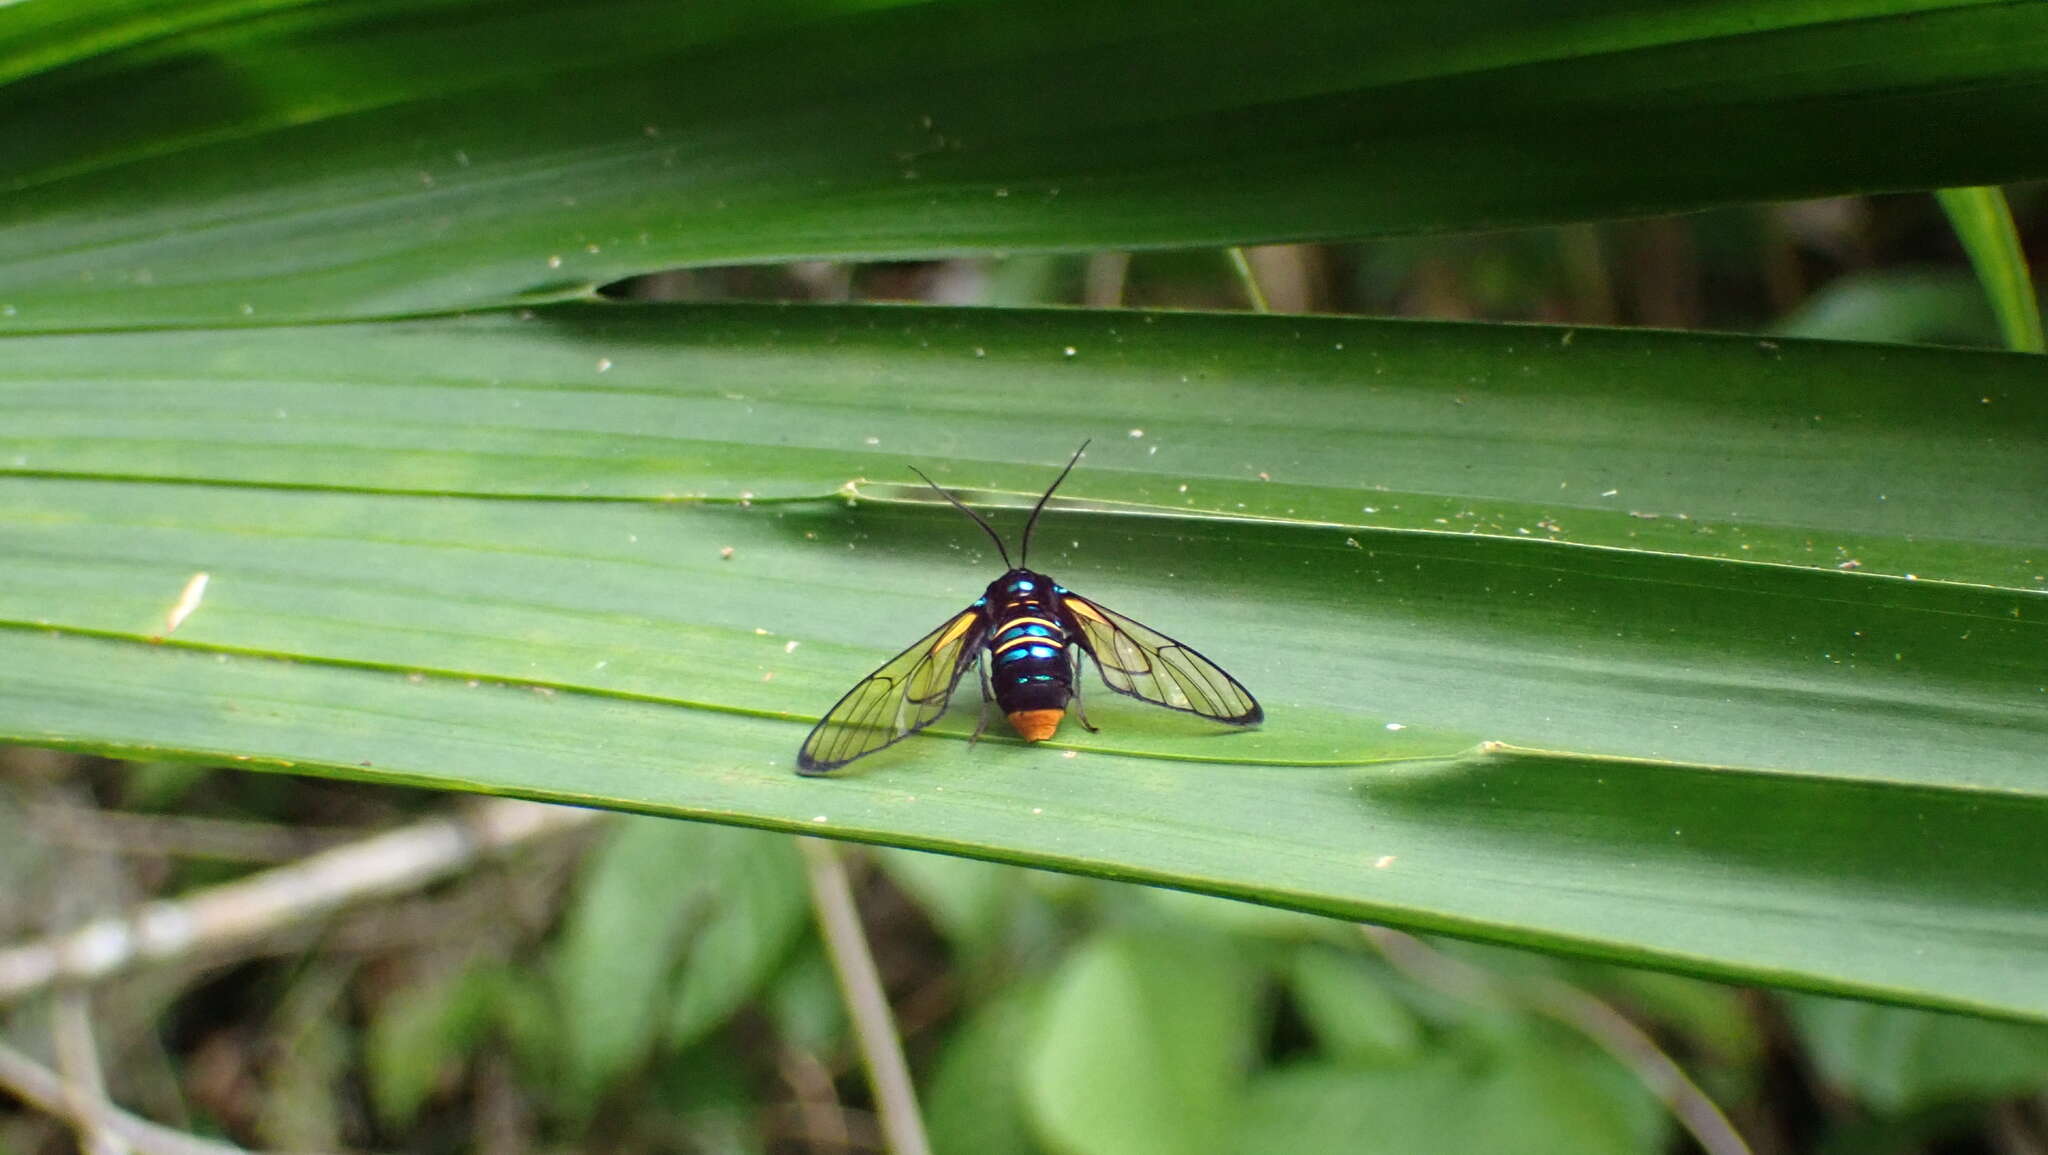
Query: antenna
{"type": "Point", "coordinates": [986, 528]}
{"type": "Point", "coordinates": [1024, 552]}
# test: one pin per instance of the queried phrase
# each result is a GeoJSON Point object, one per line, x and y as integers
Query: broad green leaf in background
{"type": "Point", "coordinates": [674, 926]}
{"type": "Point", "coordinates": [973, 1100]}
{"type": "Point", "coordinates": [1713, 1016]}
{"type": "Point", "coordinates": [225, 163]}
{"type": "Point", "coordinates": [704, 1094]}
{"type": "Point", "coordinates": [1482, 1096]}
{"type": "Point", "coordinates": [418, 1032]}
{"type": "Point", "coordinates": [619, 949]}
{"type": "Point", "coordinates": [1800, 772]}
{"type": "Point", "coordinates": [1350, 1009]}
{"type": "Point", "coordinates": [296, 1108]}
{"type": "Point", "coordinates": [1898, 1060]}
{"type": "Point", "coordinates": [756, 908]}
{"type": "Point", "coordinates": [1929, 306]}
{"type": "Point", "coordinates": [1142, 1045]}
{"type": "Point", "coordinates": [805, 1002]}
{"type": "Point", "coordinates": [970, 902]}
{"type": "Point", "coordinates": [421, 1033]}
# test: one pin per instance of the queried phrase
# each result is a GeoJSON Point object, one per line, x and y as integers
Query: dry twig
{"type": "Point", "coordinates": [867, 1005]}
{"type": "Point", "coordinates": [384, 864]}
{"type": "Point", "coordinates": [40, 1087]}
{"type": "Point", "coordinates": [1608, 1029]}
{"type": "Point", "coordinates": [85, 1084]}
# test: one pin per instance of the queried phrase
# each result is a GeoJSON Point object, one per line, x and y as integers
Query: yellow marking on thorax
{"type": "Point", "coordinates": [1027, 639]}
{"type": "Point", "coordinates": [954, 632]}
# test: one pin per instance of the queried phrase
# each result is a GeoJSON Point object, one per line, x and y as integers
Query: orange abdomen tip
{"type": "Point", "coordinates": [1036, 725]}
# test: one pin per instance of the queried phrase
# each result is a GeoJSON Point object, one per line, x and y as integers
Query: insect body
{"type": "Point", "coordinates": [1027, 646]}
{"type": "Point", "coordinates": [1025, 635]}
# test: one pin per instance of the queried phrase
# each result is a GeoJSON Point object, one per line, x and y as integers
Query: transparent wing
{"type": "Point", "coordinates": [907, 694]}
{"type": "Point", "coordinates": [1138, 660]}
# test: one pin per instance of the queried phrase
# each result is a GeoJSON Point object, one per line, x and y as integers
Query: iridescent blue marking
{"type": "Point", "coordinates": [1027, 652]}
{"type": "Point", "coordinates": [982, 600]}
{"type": "Point", "coordinates": [1030, 630]}
{"type": "Point", "coordinates": [1021, 584]}
{"type": "Point", "coordinates": [1058, 588]}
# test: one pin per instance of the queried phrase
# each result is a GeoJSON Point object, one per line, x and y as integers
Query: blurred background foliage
{"type": "Point", "coordinates": [649, 985]}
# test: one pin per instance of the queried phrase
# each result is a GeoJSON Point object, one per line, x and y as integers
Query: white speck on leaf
{"type": "Point", "coordinates": [188, 600]}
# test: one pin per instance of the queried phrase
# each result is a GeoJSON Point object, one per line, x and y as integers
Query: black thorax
{"type": "Point", "coordinates": [1029, 664]}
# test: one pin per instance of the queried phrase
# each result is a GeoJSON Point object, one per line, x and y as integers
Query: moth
{"type": "Point", "coordinates": [1025, 636]}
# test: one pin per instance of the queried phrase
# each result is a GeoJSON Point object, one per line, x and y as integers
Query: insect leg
{"type": "Point", "coordinates": [987, 695]}
{"type": "Point", "coordinates": [1080, 714]}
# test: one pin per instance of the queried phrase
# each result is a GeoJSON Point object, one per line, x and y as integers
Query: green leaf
{"type": "Point", "coordinates": [1350, 1010]}
{"type": "Point", "coordinates": [227, 163]}
{"type": "Point", "coordinates": [618, 948]}
{"type": "Point", "coordinates": [805, 1002]}
{"type": "Point", "coordinates": [1931, 307]}
{"type": "Point", "coordinates": [408, 1048]}
{"type": "Point", "coordinates": [973, 1102]}
{"type": "Point", "coordinates": [692, 915]}
{"type": "Point", "coordinates": [381, 603]}
{"type": "Point", "coordinates": [1889, 460]}
{"type": "Point", "coordinates": [707, 1102]}
{"type": "Point", "coordinates": [1142, 1047]}
{"type": "Point", "coordinates": [420, 1033]}
{"type": "Point", "coordinates": [1245, 921]}
{"type": "Point", "coordinates": [757, 907]}
{"type": "Point", "coordinates": [1747, 763]}
{"type": "Point", "coordinates": [298, 1108]}
{"type": "Point", "coordinates": [1900, 1061]}
{"type": "Point", "coordinates": [1714, 1019]}
{"type": "Point", "coordinates": [967, 901]}
{"type": "Point", "coordinates": [1527, 1095]}
{"type": "Point", "coordinates": [1983, 222]}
